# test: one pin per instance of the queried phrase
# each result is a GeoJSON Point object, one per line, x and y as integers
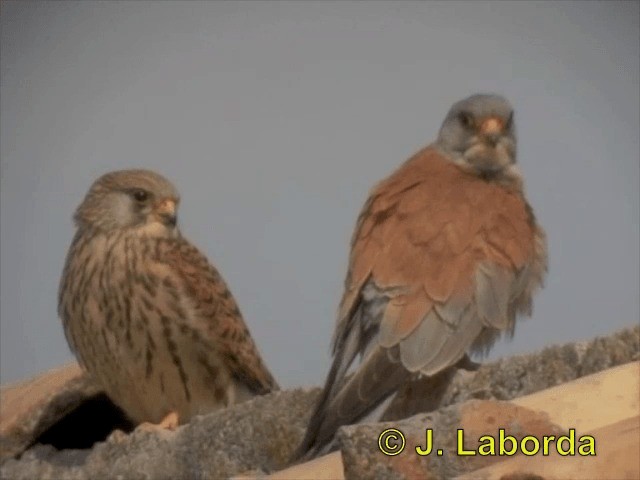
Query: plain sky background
{"type": "Point", "coordinates": [275, 119]}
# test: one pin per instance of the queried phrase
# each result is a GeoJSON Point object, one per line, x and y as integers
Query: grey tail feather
{"type": "Point", "coordinates": [315, 422]}
{"type": "Point", "coordinates": [377, 378]}
{"type": "Point", "coordinates": [345, 351]}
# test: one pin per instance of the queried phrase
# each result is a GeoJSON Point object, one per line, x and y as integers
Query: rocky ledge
{"type": "Point", "coordinates": [69, 430]}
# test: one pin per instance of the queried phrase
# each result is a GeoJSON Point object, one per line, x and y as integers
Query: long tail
{"type": "Point", "coordinates": [380, 374]}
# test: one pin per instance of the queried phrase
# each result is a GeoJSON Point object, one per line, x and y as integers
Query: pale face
{"type": "Point", "coordinates": [130, 199]}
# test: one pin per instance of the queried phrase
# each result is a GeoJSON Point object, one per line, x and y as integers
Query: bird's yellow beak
{"type": "Point", "coordinates": [166, 211]}
{"type": "Point", "coordinates": [491, 126]}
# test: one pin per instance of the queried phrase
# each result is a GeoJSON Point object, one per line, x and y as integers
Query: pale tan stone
{"type": "Point", "coordinates": [617, 456]}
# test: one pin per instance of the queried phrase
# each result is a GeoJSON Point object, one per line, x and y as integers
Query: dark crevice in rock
{"type": "Point", "coordinates": [260, 435]}
{"type": "Point", "coordinates": [92, 421]}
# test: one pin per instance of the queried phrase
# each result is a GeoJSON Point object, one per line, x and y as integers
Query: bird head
{"type": "Point", "coordinates": [479, 133]}
{"type": "Point", "coordinates": [130, 199]}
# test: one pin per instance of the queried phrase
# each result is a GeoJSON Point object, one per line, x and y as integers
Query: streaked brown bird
{"type": "Point", "coordinates": [146, 313]}
{"type": "Point", "coordinates": [445, 255]}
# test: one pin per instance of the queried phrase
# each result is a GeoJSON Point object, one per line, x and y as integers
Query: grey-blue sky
{"type": "Point", "coordinates": [274, 120]}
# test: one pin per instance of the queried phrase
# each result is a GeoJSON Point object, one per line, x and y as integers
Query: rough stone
{"type": "Point", "coordinates": [30, 408]}
{"type": "Point", "coordinates": [260, 435]}
{"type": "Point", "coordinates": [363, 458]}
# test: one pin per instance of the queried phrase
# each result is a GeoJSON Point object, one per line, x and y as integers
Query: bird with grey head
{"type": "Point", "coordinates": [479, 134]}
{"type": "Point", "coordinates": [445, 256]}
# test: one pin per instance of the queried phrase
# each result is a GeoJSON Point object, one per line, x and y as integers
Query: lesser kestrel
{"type": "Point", "coordinates": [146, 313]}
{"type": "Point", "coordinates": [445, 255]}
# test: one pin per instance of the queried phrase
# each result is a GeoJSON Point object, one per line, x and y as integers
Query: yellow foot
{"type": "Point", "coordinates": [170, 422]}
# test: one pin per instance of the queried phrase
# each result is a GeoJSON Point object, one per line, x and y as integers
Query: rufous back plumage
{"type": "Point", "coordinates": [445, 254]}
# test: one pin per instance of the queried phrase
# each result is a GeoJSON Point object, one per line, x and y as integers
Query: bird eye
{"type": "Point", "coordinates": [466, 119]}
{"type": "Point", "coordinates": [140, 195]}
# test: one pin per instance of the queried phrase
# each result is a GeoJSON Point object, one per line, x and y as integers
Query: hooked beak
{"type": "Point", "coordinates": [166, 211]}
{"type": "Point", "coordinates": [491, 126]}
{"type": "Point", "coordinates": [491, 130]}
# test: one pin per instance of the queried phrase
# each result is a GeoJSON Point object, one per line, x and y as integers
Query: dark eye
{"type": "Point", "coordinates": [466, 119]}
{"type": "Point", "coordinates": [140, 195]}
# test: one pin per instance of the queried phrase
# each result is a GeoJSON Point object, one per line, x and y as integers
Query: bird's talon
{"type": "Point", "coordinates": [170, 422]}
